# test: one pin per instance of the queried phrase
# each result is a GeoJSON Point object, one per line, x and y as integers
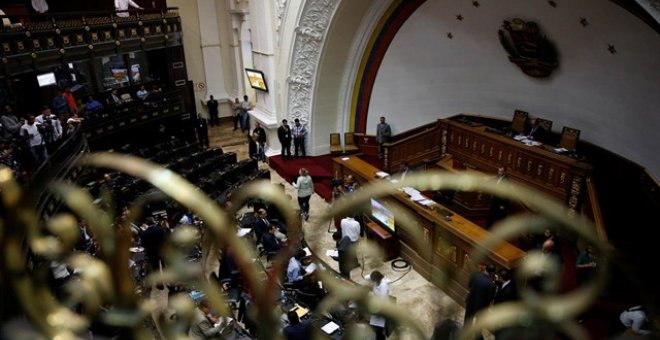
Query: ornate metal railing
{"type": "Point", "coordinates": [107, 294]}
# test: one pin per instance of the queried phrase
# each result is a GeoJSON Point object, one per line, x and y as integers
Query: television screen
{"type": "Point", "coordinates": [256, 79]}
{"type": "Point", "coordinates": [46, 79]}
{"type": "Point", "coordinates": [382, 215]}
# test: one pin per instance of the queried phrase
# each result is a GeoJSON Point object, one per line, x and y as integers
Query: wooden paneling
{"type": "Point", "coordinates": [538, 167]}
{"type": "Point", "coordinates": [446, 243]}
{"type": "Point", "coordinates": [417, 146]}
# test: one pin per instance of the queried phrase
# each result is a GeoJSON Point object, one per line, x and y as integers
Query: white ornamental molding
{"type": "Point", "coordinates": [310, 34]}
{"type": "Point", "coordinates": [281, 5]}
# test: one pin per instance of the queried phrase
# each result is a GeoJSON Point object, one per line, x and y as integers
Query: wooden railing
{"type": "Point", "coordinates": [417, 146]}
{"type": "Point", "coordinates": [47, 39]}
{"type": "Point", "coordinates": [591, 209]}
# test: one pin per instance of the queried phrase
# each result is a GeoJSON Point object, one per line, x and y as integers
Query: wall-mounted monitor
{"type": "Point", "coordinates": [382, 215]}
{"type": "Point", "coordinates": [46, 79]}
{"type": "Point", "coordinates": [256, 79]}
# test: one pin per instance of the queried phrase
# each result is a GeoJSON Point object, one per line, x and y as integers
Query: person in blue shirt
{"type": "Point", "coordinates": [295, 273]}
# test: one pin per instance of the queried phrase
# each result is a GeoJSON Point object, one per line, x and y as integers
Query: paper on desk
{"type": "Point", "coordinates": [519, 137]}
{"type": "Point", "coordinates": [410, 191]}
{"type": "Point", "coordinates": [345, 158]}
{"type": "Point", "coordinates": [330, 327]}
{"type": "Point", "coordinates": [382, 174]}
{"type": "Point", "coordinates": [332, 253]}
{"type": "Point", "coordinates": [307, 251]}
{"type": "Point", "coordinates": [427, 202]}
{"type": "Point", "coordinates": [561, 150]}
{"type": "Point", "coordinates": [243, 231]}
{"type": "Point", "coordinates": [311, 268]}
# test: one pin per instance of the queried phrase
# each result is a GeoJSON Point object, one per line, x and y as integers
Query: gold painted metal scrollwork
{"type": "Point", "coordinates": [105, 280]}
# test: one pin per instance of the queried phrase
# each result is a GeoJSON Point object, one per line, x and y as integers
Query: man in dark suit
{"type": "Point", "coordinates": [284, 135]}
{"type": "Point", "coordinates": [202, 131]}
{"type": "Point", "coordinates": [212, 105]}
{"type": "Point", "coordinates": [482, 292]}
{"type": "Point", "coordinates": [296, 330]}
{"type": "Point", "coordinates": [507, 289]}
{"type": "Point", "coordinates": [536, 131]}
{"type": "Point", "coordinates": [498, 206]}
{"type": "Point", "coordinates": [270, 242]}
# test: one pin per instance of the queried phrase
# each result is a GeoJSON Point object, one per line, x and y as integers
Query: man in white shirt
{"type": "Point", "coordinates": [351, 228]}
{"type": "Point", "coordinates": [31, 133]}
{"type": "Point", "coordinates": [122, 5]}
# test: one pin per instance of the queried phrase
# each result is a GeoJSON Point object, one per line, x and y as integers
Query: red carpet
{"type": "Point", "coordinates": [319, 167]}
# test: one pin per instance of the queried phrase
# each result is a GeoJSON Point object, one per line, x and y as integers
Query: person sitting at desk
{"type": "Point", "coordinates": [263, 223]}
{"type": "Point", "coordinates": [296, 330]}
{"type": "Point", "coordinates": [270, 241]}
{"type": "Point", "coordinates": [350, 184]}
{"type": "Point", "coordinates": [404, 170]}
{"type": "Point", "coordinates": [295, 273]}
{"type": "Point", "coordinates": [202, 323]}
{"type": "Point", "coordinates": [536, 131]}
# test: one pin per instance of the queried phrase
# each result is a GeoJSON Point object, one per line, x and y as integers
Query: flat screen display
{"type": "Point", "coordinates": [382, 215]}
{"type": "Point", "coordinates": [256, 79]}
{"type": "Point", "coordinates": [46, 79]}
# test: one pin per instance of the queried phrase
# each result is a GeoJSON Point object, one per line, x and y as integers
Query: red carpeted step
{"type": "Point", "coordinates": [319, 167]}
{"type": "Point", "coordinates": [324, 191]}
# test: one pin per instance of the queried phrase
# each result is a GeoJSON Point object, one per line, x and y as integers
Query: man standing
{"type": "Point", "coordinates": [284, 135]}
{"type": "Point", "coordinates": [212, 104]}
{"type": "Point", "coordinates": [236, 107]}
{"type": "Point", "coordinates": [482, 292]}
{"type": "Point", "coordinates": [31, 133]}
{"type": "Point", "coordinates": [299, 133]}
{"type": "Point", "coordinates": [202, 131]}
{"type": "Point", "coordinates": [10, 124]}
{"type": "Point", "coordinates": [260, 133]}
{"type": "Point", "coordinates": [122, 5]}
{"type": "Point", "coordinates": [383, 133]}
{"type": "Point", "coordinates": [498, 205]}
{"type": "Point", "coordinates": [245, 117]}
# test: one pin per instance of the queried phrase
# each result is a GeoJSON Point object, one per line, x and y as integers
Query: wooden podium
{"type": "Point", "coordinates": [384, 238]}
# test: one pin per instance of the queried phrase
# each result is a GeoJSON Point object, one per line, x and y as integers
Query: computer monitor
{"type": "Point", "coordinates": [256, 79]}
{"type": "Point", "coordinates": [382, 215]}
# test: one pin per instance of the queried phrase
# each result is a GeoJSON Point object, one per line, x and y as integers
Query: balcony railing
{"type": "Point", "coordinates": [33, 40]}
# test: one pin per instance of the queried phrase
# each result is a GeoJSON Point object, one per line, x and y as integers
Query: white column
{"type": "Point", "coordinates": [262, 22]}
{"type": "Point", "coordinates": [211, 49]}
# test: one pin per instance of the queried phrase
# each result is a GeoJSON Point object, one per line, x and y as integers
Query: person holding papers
{"type": "Point", "coordinates": [202, 326]}
{"type": "Point", "coordinates": [295, 274]}
{"type": "Point", "coordinates": [345, 254]}
{"type": "Point", "coordinates": [381, 289]}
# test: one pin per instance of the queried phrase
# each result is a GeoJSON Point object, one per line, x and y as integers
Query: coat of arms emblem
{"type": "Point", "coordinates": [528, 47]}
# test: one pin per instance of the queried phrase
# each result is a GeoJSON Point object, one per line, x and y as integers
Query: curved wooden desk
{"type": "Point", "coordinates": [447, 242]}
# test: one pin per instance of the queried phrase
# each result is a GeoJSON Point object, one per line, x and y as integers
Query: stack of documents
{"type": "Point", "coordinates": [330, 327]}
{"type": "Point", "coordinates": [332, 253]}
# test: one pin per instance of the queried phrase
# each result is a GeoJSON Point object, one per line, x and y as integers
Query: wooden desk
{"type": "Point", "coordinates": [470, 204]}
{"type": "Point", "coordinates": [447, 243]}
{"type": "Point", "coordinates": [557, 175]}
{"type": "Point", "coordinates": [384, 238]}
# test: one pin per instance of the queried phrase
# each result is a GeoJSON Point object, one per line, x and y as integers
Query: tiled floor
{"type": "Point", "coordinates": [413, 293]}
